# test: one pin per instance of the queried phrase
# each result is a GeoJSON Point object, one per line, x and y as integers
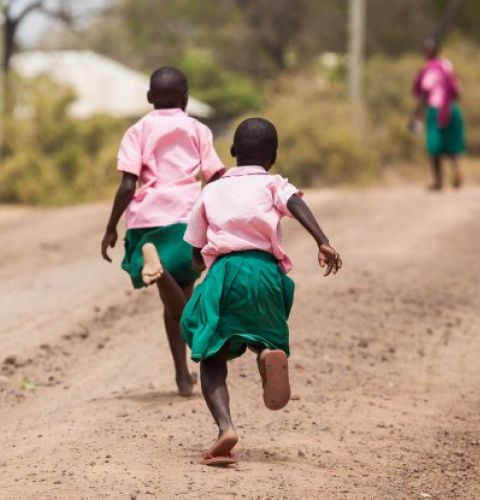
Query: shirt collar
{"type": "Point", "coordinates": [169, 111]}
{"type": "Point", "coordinates": [245, 170]}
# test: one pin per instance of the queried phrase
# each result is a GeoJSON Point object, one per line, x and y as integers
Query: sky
{"type": "Point", "coordinates": [36, 24]}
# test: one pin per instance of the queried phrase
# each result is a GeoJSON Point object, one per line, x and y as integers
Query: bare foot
{"type": "Point", "coordinates": [220, 454]}
{"type": "Point", "coordinates": [152, 267]}
{"type": "Point", "coordinates": [185, 384]}
{"type": "Point", "coordinates": [273, 367]}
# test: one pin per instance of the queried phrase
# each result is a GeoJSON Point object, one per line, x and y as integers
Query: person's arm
{"type": "Point", "coordinates": [215, 177]}
{"type": "Point", "coordinates": [124, 195]}
{"type": "Point", "coordinates": [197, 260]}
{"type": "Point", "coordinates": [327, 255]}
{"type": "Point", "coordinates": [419, 110]}
{"type": "Point", "coordinates": [196, 234]}
{"type": "Point", "coordinates": [211, 166]}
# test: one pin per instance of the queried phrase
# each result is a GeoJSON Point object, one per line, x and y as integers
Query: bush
{"type": "Point", "coordinates": [227, 92]}
{"type": "Point", "coordinates": [50, 158]}
{"type": "Point", "coordinates": [318, 143]}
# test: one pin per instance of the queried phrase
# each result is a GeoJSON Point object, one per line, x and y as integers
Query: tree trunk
{"type": "Point", "coordinates": [10, 27]}
{"type": "Point", "coordinates": [448, 18]}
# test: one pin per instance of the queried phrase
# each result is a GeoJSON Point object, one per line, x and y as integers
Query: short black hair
{"type": "Point", "coordinates": [432, 44]}
{"type": "Point", "coordinates": [256, 139]}
{"type": "Point", "coordinates": [168, 86]}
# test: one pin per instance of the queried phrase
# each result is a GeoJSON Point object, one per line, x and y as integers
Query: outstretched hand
{"type": "Point", "coordinates": [109, 240]}
{"type": "Point", "coordinates": [328, 257]}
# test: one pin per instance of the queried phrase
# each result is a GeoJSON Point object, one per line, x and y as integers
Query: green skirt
{"type": "Point", "coordinates": [245, 299]}
{"type": "Point", "coordinates": [450, 140]}
{"type": "Point", "coordinates": [174, 251]}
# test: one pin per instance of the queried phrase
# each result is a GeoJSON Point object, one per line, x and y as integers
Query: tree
{"type": "Point", "coordinates": [275, 26]}
{"type": "Point", "coordinates": [11, 23]}
{"type": "Point", "coordinates": [450, 14]}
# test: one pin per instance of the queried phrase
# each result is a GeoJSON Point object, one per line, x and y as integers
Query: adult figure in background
{"type": "Point", "coordinates": [436, 89]}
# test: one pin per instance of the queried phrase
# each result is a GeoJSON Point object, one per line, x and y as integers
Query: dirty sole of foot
{"type": "Point", "coordinates": [152, 267]}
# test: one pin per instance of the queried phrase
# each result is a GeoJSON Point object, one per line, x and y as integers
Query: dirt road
{"type": "Point", "coordinates": [384, 365]}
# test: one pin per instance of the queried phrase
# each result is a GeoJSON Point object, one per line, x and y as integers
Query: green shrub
{"type": "Point", "coordinates": [318, 143]}
{"type": "Point", "coordinates": [227, 92]}
{"type": "Point", "coordinates": [51, 158]}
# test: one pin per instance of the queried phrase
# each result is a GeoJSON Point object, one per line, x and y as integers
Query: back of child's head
{"type": "Point", "coordinates": [431, 47]}
{"type": "Point", "coordinates": [255, 143]}
{"type": "Point", "coordinates": [168, 88]}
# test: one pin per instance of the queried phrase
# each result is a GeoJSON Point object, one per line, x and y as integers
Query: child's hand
{"type": "Point", "coordinates": [109, 240]}
{"type": "Point", "coordinates": [328, 256]}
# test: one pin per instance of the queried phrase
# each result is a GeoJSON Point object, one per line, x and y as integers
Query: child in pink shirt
{"type": "Point", "coordinates": [246, 297]}
{"type": "Point", "coordinates": [164, 152]}
{"type": "Point", "coordinates": [437, 92]}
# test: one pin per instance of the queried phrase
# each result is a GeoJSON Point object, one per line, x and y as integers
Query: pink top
{"type": "Point", "coordinates": [241, 211]}
{"type": "Point", "coordinates": [437, 81]}
{"type": "Point", "coordinates": [167, 150]}
{"type": "Point", "coordinates": [434, 83]}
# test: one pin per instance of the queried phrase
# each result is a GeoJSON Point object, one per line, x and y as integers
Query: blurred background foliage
{"type": "Point", "coordinates": [243, 57]}
{"type": "Point", "coordinates": [50, 158]}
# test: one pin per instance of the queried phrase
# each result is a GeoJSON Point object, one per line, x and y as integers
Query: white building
{"type": "Point", "coordinates": [101, 85]}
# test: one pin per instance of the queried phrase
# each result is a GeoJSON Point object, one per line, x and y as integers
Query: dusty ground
{"type": "Point", "coordinates": [384, 365]}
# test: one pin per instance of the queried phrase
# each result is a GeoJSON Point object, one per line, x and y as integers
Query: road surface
{"type": "Point", "coordinates": [385, 364]}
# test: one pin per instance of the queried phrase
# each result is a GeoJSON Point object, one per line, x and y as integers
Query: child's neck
{"type": "Point", "coordinates": [251, 163]}
{"type": "Point", "coordinates": [163, 106]}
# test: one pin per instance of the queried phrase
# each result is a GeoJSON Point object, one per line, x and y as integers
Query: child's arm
{"type": "Point", "coordinates": [418, 113]}
{"type": "Point", "coordinates": [124, 195]}
{"type": "Point", "coordinates": [215, 177]}
{"type": "Point", "coordinates": [211, 166]}
{"type": "Point", "coordinates": [197, 260]}
{"type": "Point", "coordinates": [326, 254]}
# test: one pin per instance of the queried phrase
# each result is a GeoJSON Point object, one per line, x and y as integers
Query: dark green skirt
{"type": "Point", "coordinates": [245, 299]}
{"type": "Point", "coordinates": [449, 140]}
{"type": "Point", "coordinates": [175, 253]}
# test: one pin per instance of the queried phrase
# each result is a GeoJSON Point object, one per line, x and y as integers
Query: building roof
{"type": "Point", "coordinates": [101, 84]}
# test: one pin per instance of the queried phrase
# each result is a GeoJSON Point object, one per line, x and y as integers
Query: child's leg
{"type": "Point", "coordinates": [174, 298]}
{"type": "Point", "coordinates": [213, 372]}
{"type": "Point", "coordinates": [457, 181]}
{"type": "Point", "coordinates": [437, 172]}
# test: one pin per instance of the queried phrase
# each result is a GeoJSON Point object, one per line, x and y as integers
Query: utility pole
{"type": "Point", "coordinates": [2, 75]}
{"type": "Point", "coordinates": [356, 48]}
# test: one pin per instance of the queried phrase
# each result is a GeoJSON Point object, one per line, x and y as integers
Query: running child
{"type": "Point", "coordinates": [164, 152]}
{"type": "Point", "coordinates": [246, 297]}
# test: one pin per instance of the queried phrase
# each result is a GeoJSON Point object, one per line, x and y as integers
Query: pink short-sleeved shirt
{"type": "Point", "coordinates": [434, 83]}
{"type": "Point", "coordinates": [241, 211]}
{"type": "Point", "coordinates": [167, 150]}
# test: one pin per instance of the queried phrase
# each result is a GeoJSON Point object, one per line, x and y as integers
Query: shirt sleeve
{"type": "Point", "coordinates": [210, 162]}
{"type": "Point", "coordinates": [196, 233]}
{"type": "Point", "coordinates": [282, 191]}
{"type": "Point", "coordinates": [129, 157]}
